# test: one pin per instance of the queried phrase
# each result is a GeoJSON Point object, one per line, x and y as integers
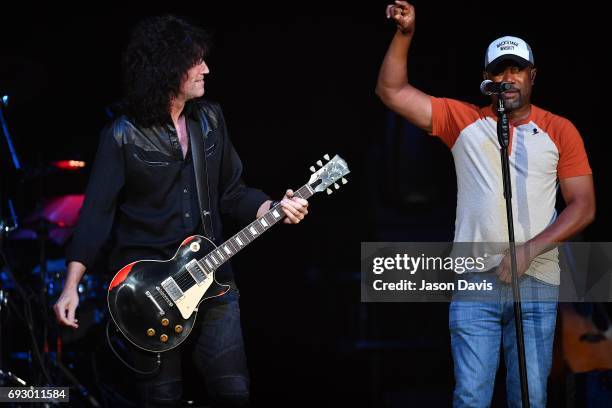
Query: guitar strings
{"type": "Point", "coordinates": [185, 280]}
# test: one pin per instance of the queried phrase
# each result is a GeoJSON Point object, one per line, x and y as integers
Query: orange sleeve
{"type": "Point", "coordinates": [449, 117]}
{"type": "Point", "coordinates": [573, 160]}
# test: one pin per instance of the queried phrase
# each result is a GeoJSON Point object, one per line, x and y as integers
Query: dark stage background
{"type": "Point", "coordinates": [297, 81]}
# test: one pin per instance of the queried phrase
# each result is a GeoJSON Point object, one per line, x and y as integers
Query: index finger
{"type": "Point", "coordinates": [388, 10]}
{"type": "Point", "coordinates": [402, 4]}
{"type": "Point", "coordinates": [71, 320]}
{"type": "Point", "coordinates": [300, 201]}
{"type": "Point", "coordinates": [60, 314]}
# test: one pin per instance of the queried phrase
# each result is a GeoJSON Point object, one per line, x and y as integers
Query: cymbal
{"type": "Point", "coordinates": [57, 235]}
{"type": "Point", "coordinates": [62, 211]}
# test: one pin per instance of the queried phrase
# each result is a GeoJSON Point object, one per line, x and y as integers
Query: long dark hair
{"type": "Point", "coordinates": [160, 51]}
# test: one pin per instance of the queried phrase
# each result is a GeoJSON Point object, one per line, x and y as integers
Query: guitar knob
{"type": "Point", "coordinates": [165, 322]}
{"type": "Point", "coordinates": [178, 328]}
{"type": "Point", "coordinates": [150, 332]}
{"type": "Point", "coordinates": [163, 338]}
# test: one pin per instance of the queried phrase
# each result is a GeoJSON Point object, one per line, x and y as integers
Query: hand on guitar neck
{"type": "Point", "coordinates": [294, 207]}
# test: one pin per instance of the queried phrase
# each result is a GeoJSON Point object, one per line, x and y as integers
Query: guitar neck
{"type": "Point", "coordinates": [250, 233]}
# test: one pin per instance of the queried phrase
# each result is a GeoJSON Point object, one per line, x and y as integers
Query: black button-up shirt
{"type": "Point", "coordinates": [142, 193]}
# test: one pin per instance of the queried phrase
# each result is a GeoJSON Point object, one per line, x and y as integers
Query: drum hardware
{"type": "Point", "coordinates": [53, 221]}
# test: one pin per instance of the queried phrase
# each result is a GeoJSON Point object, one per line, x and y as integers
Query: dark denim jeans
{"type": "Point", "coordinates": [482, 323]}
{"type": "Point", "coordinates": [217, 351]}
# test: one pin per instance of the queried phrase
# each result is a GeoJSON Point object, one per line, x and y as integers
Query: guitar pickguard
{"type": "Point", "coordinates": [192, 297]}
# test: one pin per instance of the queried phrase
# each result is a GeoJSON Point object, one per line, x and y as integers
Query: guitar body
{"type": "Point", "coordinates": [142, 306]}
{"type": "Point", "coordinates": [154, 303]}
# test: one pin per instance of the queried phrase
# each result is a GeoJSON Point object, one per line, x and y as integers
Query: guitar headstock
{"type": "Point", "coordinates": [329, 174]}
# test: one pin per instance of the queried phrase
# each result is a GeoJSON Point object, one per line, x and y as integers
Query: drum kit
{"type": "Point", "coordinates": [58, 217]}
{"type": "Point", "coordinates": [34, 349]}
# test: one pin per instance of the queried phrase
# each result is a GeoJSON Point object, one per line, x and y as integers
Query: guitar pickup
{"type": "Point", "coordinates": [172, 289]}
{"type": "Point", "coordinates": [163, 295]}
{"type": "Point", "coordinates": [196, 270]}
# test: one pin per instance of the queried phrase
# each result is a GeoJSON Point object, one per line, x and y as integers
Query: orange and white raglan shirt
{"type": "Point", "coordinates": [543, 149]}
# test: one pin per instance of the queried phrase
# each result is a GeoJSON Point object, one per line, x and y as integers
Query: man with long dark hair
{"type": "Point", "coordinates": [142, 197]}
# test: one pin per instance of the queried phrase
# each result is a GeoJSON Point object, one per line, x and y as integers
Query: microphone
{"type": "Point", "coordinates": [488, 87]}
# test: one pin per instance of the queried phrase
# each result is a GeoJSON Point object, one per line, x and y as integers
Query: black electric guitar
{"type": "Point", "coordinates": [154, 303]}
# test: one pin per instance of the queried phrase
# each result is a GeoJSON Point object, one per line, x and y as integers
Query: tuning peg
{"type": "Point", "coordinates": [329, 191]}
{"type": "Point", "coordinates": [326, 157]}
{"type": "Point", "coordinates": [312, 168]}
{"type": "Point", "coordinates": [336, 186]}
{"type": "Point", "coordinates": [319, 163]}
{"type": "Point", "coordinates": [344, 181]}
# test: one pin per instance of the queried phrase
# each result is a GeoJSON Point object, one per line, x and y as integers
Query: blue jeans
{"type": "Point", "coordinates": [217, 351]}
{"type": "Point", "coordinates": [479, 328]}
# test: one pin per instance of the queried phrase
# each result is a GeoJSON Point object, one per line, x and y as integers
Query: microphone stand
{"type": "Point", "coordinates": [503, 135]}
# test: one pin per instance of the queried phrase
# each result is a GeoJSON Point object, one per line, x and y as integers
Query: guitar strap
{"type": "Point", "coordinates": [198, 133]}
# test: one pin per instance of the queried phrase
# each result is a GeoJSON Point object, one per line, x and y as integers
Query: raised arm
{"type": "Point", "coordinates": [393, 87]}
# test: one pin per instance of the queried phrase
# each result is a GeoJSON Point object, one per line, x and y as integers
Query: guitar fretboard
{"type": "Point", "coordinates": [248, 234]}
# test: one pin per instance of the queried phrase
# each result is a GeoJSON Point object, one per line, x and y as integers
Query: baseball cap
{"type": "Point", "coordinates": [508, 48]}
